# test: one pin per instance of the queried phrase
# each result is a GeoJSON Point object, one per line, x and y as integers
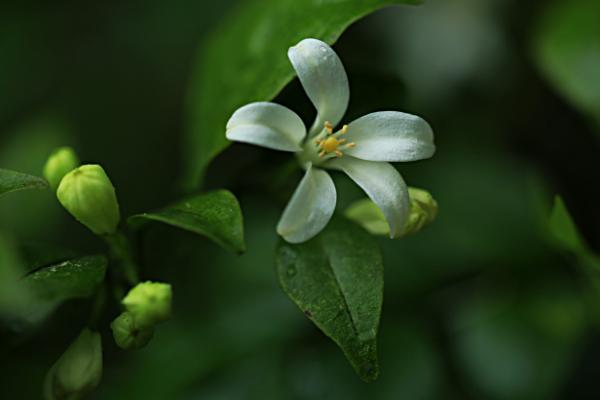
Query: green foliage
{"type": "Point", "coordinates": [11, 181]}
{"type": "Point", "coordinates": [245, 60]}
{"type": "Point", "coordinates": [566, 236]}
{"type": "Point", "coordinates": [567, 50]}
{"type": "Point", "coordinates": [336, 279]}
{"type": "Point", "coordinates": [216, 215]}
{"type": "Point", "coordinates": [507, 340]}
{"type": "Point", "coordinates": [563, 229]}
{"type": "Point", "coordinates": [52, 285]}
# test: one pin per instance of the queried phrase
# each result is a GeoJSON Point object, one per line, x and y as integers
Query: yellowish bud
{"type": "Point", "coordinates": [149, 303]}
{"type": "Point", "coordinates": [62, 161]}
{"type": "Point", "coordinates": [78, 371]}
{"type": "Point", "coordinates": [88, 194]}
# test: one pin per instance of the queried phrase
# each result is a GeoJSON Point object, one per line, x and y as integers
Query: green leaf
{"type": "Point", "coordinates": [11, 181]}
{"type": "Point", "coordinates": [216, 215]}
{"type": "Point", "coordinates": [48, 287]}
{"type": "Point", "coordinates": [563, 229]}
{"type": "Point", "coordinates": [567, 50]}
{"type": "Point", "coordinates": [245, 60]}
{"type": "Point", "coordinates": [566, 235]}
{"type": "Point", "coordinates": [336, 279]}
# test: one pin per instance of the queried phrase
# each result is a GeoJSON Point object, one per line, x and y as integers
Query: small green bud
{"type": "Point", "coordinates": [78, 371]}
{"type": "Point", "coordinates": [62, 161]}
{"type": "Point", "coordinates": [87, 193]}
{"type": "Point", "coordinates": [149, 303]}
{"type": "Point", "coordinates": [423, 210]}
{"type": "Point", "coordinates": [128, 335]}
{"type": "Point", "coordinates": [366, 213]}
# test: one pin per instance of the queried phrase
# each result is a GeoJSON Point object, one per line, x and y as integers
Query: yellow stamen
{"type": "Point", "coordinates": [330, 144]}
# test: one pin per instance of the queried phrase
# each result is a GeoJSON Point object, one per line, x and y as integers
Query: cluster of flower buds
{"type": "Point", "coordinates": [146, 305]}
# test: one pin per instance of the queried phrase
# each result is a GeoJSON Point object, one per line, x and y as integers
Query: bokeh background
{"type": "Point", "coordinates": [482, 304]}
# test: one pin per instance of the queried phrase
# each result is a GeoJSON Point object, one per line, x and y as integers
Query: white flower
{"type": "Point", "coordinates": [361, 149]}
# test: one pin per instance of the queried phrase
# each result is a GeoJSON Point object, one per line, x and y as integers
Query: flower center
{"type": "Point", "coordinates": [331, 142]}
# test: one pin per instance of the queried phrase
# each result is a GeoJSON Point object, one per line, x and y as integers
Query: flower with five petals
{"type": "Point", "coordinates": [361, 149]}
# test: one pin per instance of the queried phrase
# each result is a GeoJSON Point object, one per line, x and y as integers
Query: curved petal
{"type": "Point", "coordinates": [324, 79]}
{"type": "Point", "coordinates": [383, 184]}
{"type": "Point", "coordinates": [390, 136]}
{"type": "Point", "coordinates": [267, 124]}
{"type": "Point", "coordinates": [310, 207]}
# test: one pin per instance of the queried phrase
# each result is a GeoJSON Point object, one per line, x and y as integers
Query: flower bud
{"type": "Point", "coordinates": [78, 371]}
{"type": "Point", "coordinates": [87, 193]}
{"type": "Point", "coordinates": [128, 335]}
{"type": "Point", "coordinates": [423, 210]}
{"type": "Point", "coordinates": [62, 161]}
{"type": "Point", "coordinates": [366, 213]}
{"type": "Point", "coordinates": [149, 303]}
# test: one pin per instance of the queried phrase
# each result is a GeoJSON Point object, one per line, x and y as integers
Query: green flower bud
{"type": "Point", "coordinates": [366, 213]}
{"type": "Point", "coordinates": [128, 335]}
{"type": "Point", "coordinates": [87, 193]}
{"type": "Point", "coordinates": [62, 161]}
{"type": "Point", "coordinates": [78, 371]}
{"type": "Point", "coordinates": [149, 303]}
{"type": "Point", "coordinates": [423, 210]}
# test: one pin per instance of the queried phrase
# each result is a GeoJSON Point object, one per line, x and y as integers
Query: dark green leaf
{"type": "Point", "coordinates": [565, 234]}
{"type": "Point", "coordinates": [48, 287]}
{"type": "Point", "coordinates": [567, 50]}
{"type": "Point", "coordinates": [216, 215]}
{"type": "Point", "coordinates": [246, 60]}
{"type": "Point", "coordinates": [11, 181]}
{"type": "Point", "coordinates": [337, 281]}
{"type": "Point", "coordinates": [563, 229]}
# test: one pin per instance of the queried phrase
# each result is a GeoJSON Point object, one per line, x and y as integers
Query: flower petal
{"type": "Point", "coordinates": [390, 136]}
{"type": "Point", "coordinates": [324, 79]}
{"type": "Point", "coordinates": [383, 184]}
{"type": "Point", "coordinates": [267, 124]}
{"type": "Point", "coordinates": [310, 207]}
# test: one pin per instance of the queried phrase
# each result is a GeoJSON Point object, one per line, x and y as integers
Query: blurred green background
{"type": "Point", "coordinates": [480, 305]}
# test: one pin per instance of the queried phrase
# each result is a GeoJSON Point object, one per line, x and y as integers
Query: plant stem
{"type": "Point", "coordinates": [121, 251]}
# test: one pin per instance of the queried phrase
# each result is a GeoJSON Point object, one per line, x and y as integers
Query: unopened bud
{"type": "Point", "coordinates": [423, 210]}
{"type": "Point", "coordinates": [128, 335]}
{"type": "Point", "coordinates": [78, 371]}
{"type": "Point", "coordinates": [88, 194]}
{"type": "Point", "coordinates": [149, 303]}
{"type": "Point", "coordinates": [62, 161]}
{"type": "Point", "coordinates": [366, 213]}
